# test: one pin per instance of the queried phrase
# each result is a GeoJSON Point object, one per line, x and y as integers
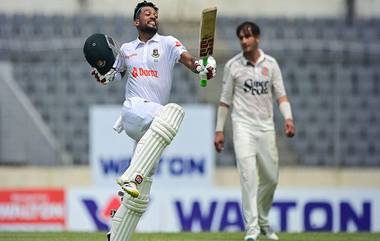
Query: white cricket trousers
{"type": "Point", "coordinates": [257, 162]}
{"type": "Point", "coordinates": [137, 115]}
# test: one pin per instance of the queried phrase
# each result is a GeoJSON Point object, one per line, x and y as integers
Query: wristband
{"type": "Point", "coordinates": [221, 117]}
{"type": "Point", "coordinates": [286, 110]}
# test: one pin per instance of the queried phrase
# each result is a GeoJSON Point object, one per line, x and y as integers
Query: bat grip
{"type": "Point", "coordinates": [203, 80]}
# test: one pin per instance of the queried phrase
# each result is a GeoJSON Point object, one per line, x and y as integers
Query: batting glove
{"type": "Point", "coordinates": [104, 79]}
{"type": "Point", "coordinates": [208, 71]}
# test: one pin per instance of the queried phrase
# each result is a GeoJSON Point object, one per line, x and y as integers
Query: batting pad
{"type": "Point", "coordinates": [150, 147]}
{"type": "Point", "coordinates": [129, 213]}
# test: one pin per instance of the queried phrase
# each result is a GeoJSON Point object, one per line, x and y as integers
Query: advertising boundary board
{"type": "Point", "coordinates": [219, 209]}
{"type": "Point", "coordinates": [33, 209]}
{"type": "Point", "coordinates": [189, 160]}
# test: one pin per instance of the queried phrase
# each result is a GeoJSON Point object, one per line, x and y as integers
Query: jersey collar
{"type": "Point", "coordinates": [138, 42]}
{"type": "Point", "coordinates": [245, 61]}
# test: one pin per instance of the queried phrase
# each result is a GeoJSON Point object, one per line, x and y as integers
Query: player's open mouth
{"type": "Point", "coordinates": [152, 23]}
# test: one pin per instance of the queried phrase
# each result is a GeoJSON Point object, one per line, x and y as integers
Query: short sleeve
{"type": "Point", "coordinates": [175, 48]}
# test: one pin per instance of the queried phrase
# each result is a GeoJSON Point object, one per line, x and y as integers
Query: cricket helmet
{"type": "Point", "coordinates": [100, 52]}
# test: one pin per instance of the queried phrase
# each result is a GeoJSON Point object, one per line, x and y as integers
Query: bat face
{"type": "Point", "coordinates": [206, 47]}
{"type": "Point", "coordinates": [207, 32]}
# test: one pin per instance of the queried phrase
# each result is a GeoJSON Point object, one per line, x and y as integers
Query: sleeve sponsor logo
{"type": "Point", "coordinates": [178, 44]}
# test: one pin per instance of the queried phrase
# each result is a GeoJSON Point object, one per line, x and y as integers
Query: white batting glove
{"type": "Point", "coordinates": [208, 71]}
{"type": "Point", "coordinates": [198, 65]}
{"type": "Point", "coordinates": [104, 79]}
{"type": "Point", "coordinates": [110, 75]}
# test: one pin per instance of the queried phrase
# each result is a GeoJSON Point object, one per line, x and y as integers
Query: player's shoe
{"type": "Point", "coordinates": [268, 233]}
{"type": "Point", "coordinates": [109, 236]}
{"type": "Point", "coordinates": [129, 187]}
{"type": "Point", "coordinates": [251, 235]}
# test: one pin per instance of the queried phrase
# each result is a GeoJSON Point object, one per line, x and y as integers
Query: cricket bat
{"type": "Point", "coordinates": [206, 38]}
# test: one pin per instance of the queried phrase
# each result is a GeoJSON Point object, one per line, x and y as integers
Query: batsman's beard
{"type": "Point", "coordinates": [150, 30]}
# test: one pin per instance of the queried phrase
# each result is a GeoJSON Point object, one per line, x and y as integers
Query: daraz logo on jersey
{"type": "Point", "coordinates": [136, 72]}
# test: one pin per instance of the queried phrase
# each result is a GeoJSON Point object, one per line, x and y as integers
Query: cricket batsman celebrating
{"type": "Point", "coordinates": [147, 65]}
{"type": "Point", "coordinates": [250, 80]}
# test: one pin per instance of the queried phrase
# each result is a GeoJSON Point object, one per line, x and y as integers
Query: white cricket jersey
{"type": "Point", "coordinates": [149, 67]}
{"type": "Point", "coordinates": [249, 89]}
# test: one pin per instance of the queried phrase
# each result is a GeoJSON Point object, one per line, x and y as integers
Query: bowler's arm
{"type": "Point", "coordinates": [220, 120]}
{"type": "Point", "coordinates": [286, 112]}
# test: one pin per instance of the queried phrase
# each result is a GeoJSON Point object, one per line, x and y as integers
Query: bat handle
{"type": "Point", "coordinates": [203, 80]}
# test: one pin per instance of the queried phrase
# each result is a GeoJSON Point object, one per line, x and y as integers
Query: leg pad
{"type": "Point", "coordinates": [150, 147]}
{"type": "Point", "coordinates": [129, 213]}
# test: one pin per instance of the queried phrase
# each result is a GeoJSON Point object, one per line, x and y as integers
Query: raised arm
{"type": "Point", "coordinates": [190, 62]}
{"type": "Point", "coordinates": [196, 66]}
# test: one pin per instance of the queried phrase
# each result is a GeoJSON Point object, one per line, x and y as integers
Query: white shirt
{"type": "Point", "coordinates": [250, 88]}
{"type": "Point", "coordinates": [149, 67]}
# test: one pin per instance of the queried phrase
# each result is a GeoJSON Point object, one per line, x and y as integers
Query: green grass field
{"type": "Point", "coordinates": [73, 236]}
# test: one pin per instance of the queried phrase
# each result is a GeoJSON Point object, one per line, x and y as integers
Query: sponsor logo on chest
{"type": "Point", "coordinates": [141, 72]}
{"type": "Point", "coordinates": [256, 87]}
{"type": "Point", "coordinates": [259, 83]}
